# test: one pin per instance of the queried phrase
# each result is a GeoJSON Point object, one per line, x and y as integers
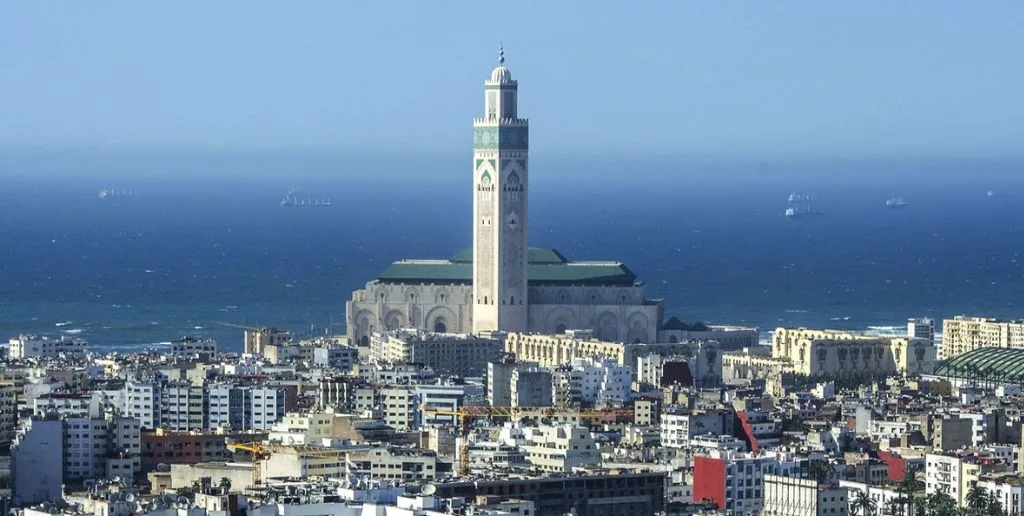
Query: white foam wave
{"type": "Point", "coordinates": [797, 311]}
{"type": "Point", "coordinates": [73, 331]}
{"type": "Point", "coordinates": [65, 323]}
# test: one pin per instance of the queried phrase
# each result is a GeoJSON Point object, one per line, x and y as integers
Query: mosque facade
{"type": "Point", "coordinates": [500, 283]}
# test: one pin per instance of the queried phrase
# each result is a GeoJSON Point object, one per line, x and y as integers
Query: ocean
{"type": "Point", "coordinates": [205, 248]}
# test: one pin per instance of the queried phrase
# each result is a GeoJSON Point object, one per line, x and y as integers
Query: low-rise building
{"type": "Point", "coordinates": [784, 496]}
{"type": "Point", "coordinates": [446, 353]}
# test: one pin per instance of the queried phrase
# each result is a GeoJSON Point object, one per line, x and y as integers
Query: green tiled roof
{"type": "Point", "coordinates": [546, 267]}
{"type": "Point", "coordinates": [533, 255]}
{"type": "Point", "coordinates": [994, 364]}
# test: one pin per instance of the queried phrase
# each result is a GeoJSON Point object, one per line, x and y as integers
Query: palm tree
{"type": "Point", "coordinates": [940, 504]}
{"type": "Point", "coordinates": [225, 484]}
{"type": "Point", "coordinates": [907, 488]}
{"type": "Point", "coordinates": [977, 497]}
{"type": "Point", "coordinates": [863, 504]}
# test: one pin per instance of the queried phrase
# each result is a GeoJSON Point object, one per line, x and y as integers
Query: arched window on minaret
{"type": "Point", "coordinates": [513, 187]}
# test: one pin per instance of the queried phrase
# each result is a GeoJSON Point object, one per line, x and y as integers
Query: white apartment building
{"type": "Point", "coordinates": [267, 406]}
{"type": "Point", "coordinates": [142, 401]}
{"type": "Point", "coordinates": [591, 381]}
{"type": "Point", "coordinates": [34, 346]}
{"type": "Point", "coordinates": [740, 477]}
{"type": "Point", "coordinates": [785, 496]}
{"type": "Point", "coordinates": [1008, 488]}
{"type": "Point", "coordinates": [181, 406]}
{"type": "Point", "coordinates": [950, 474]}
{"type": "Point", "coordinates": [560, 448]}
{"type": "Point", "coordinates": [399, 408]}
{"type": "Point", "coordinates": [678, 429]}
{"type": "Point", "coordinates": [64, 404]}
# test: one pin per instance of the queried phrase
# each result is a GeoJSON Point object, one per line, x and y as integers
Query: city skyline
{"type": "Point", "coordinates": [786, 80]}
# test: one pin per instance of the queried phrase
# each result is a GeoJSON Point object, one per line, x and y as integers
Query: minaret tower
{"type": "Point", "coordinates": [500, 179]}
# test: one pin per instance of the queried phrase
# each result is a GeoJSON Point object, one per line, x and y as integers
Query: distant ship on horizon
{"type": "Point", "coordinates": [801, 205]}
{"type": "Point", "coordinates": [292, 199]}
{"type": "Point", "coordinates": [108, 193]}
{"type": "Point", "coordinates": [896, 203]}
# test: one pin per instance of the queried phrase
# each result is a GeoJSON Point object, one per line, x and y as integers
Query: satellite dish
{"type": "Point", "coordinates": [117, 479]}
{"type": "Point", "coordinates": [168, 499]}
{"type": "Point", "coordinates": [163, 467]}
{"type": "Point", "coordinates": [428, 489]}
{"type": "Point", "coordinates": [183, 499]}
{"type": "Point", "coordinates": [130, 497]}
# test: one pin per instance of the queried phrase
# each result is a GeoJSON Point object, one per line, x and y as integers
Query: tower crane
{"type": "Point", "coordinates": [465, 415]}
{"type": "Point", "coordinates": [259, 454]}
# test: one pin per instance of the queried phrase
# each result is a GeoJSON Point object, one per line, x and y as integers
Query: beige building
{"type": "Point", "coordinates": [395, 464]}
{"type": "Point", "coordinates": [561, 349]}
{"type": "Point", "coordinates": [446, 353]}
{"type": "Point", "coordinates": [8, 411]}
{"type": "Point", "coordinates": [962, 334]}
{"type": "Point", "coordinates": [399, 408]}
{"type": "Point", "coordinates": [300, 428]}
{"type": "Point", "coordinates": [832, 352]}
{"type": "Point", "coordinates": [560, 448]}
{"type": "Point", "coordinates": [303, 461]}
{"type": "Point", "coordinates": [258, 338]}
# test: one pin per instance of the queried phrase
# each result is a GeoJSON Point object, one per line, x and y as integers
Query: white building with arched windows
{"type": "Point", "coordinates": [501, 283]}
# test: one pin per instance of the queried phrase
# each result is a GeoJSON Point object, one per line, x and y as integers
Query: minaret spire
{"type": "Point", "coordinates": [501, 53]}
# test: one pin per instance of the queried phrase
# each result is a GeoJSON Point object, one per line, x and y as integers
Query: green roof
{"type": "Point", "coordinates": [533, 255]}
{"type": "Point", "coordinates": [993, 364]}
{"type": "Point", "coordinates": [546, 267]}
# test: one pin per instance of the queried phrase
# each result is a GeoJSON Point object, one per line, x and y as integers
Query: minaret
{"type": "Point", "coordinates": [500, 179]}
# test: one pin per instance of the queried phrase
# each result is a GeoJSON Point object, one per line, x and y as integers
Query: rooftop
{"type": "Point", "coordinates": [1004, 364]}
{"type": "Point", "coordinates": [545, 267]}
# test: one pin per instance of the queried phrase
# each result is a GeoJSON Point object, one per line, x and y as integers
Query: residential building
{"type": "Point", "coordinates": [1008, 488]}
{"type": "Point", "coordinates": [34, 346]}
{"type": "Point", "coordinates": [679, 428]}
{"type": "Point", "coordinates": [162, 446]}
{"type": "Point", "coordinates": [921, 328]}
{"type": "Point", "coordinates": [499, 379]}
{"type": "Point", "coordinates": [591, 381]}
{"type": "Point", "coordinates": [402, 464]}
{"type": "Point", "coordinates": [37, 462]}
{"type": "Point", "coordinates": [735, 481]}
{"type": "Point", "coordinates": [142, 401]}
{"type": "Point", "coordinates": [181, 406]}
{"type": "Point", "coordinates": [447, 398]}
{"type": "Point", "coordinates": [399, 408]}
{"type": "Point", "coordinates": [192, 346]}
{"type": "Point", "coordinates": [962, 334]}
{"type": "Point", "coordinates": [597, 494]}
{"type": "Point", "coordinates": [8, 412]}
{"type": "Point", "coordinates": [461, 355]}
{"type": "Point", "coordinates": [954, 474]}
{"type": "Point", "coordinates": [785, 496]}
{"type": "Point", "coordinates": [531, 387]}
{"type": "Point", "coordinates": [560, 448]}
{"type": "Point", "coordinates": [257, 338]}
{"type": "Point", "coordinates": [338, 392]}
{"type": "Point", "coordinates": [243, 407]}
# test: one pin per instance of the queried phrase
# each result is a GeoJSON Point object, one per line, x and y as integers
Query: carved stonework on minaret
{"type": "Point", "coordinates": [500, 207]}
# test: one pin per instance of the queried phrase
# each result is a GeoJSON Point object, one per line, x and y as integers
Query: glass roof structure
{"type": "Point", "coordinates": [990, 364]}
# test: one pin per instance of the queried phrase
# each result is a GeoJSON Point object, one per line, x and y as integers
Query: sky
{"type": "Point", "coordinates": [780, 78]}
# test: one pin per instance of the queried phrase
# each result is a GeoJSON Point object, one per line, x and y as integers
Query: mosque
{"type": "Point", "coordinates": [502, 284]}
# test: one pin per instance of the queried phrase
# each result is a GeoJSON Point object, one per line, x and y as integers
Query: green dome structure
{"type": "Point", "coordinates": [986, 365]}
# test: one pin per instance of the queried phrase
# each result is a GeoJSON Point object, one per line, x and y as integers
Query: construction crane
{"type": "Point", "coordinates": [465, 416]}
{"type": "Point", "coordinates": [259, 454]}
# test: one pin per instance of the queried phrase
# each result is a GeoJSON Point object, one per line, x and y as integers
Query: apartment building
{"type": "Point", "coordinates": [181, 406]}
{"type": "Point", "coordinates": [446, 353]}
{"type": "Point", "coordinates": [35, 346]}
{"type": "Point", "coordinates": [962, 334]}
{"type": "Point", "coordinates": [560, 448]}
{"type": "Point", "coordinates": [784, 496]}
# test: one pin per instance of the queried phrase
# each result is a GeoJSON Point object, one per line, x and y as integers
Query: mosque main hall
{"type": "Point", "coordinates": [500, 283]}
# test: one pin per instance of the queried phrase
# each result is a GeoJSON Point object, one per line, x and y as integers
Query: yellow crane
{"type": "Point", "coordinates": [259, 454]}
{"type": "Point", "coordinates": [465, 415]}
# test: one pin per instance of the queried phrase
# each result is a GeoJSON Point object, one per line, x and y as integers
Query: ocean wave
{"type": "Point", "coordinates": [797, 311]}
{"type": "Point", "coordinates": [843, 318]}
{"type": "Point", "coordinates": [65, 323]}
{"type": "Point", "coordinates": [73, 331]}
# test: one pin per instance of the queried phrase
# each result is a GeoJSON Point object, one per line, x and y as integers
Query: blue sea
{"type": "Point", "coordinates": [206, 247]}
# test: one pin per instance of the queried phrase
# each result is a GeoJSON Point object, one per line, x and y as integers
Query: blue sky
{"type": "Point", "coordinates": [780, 78]}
